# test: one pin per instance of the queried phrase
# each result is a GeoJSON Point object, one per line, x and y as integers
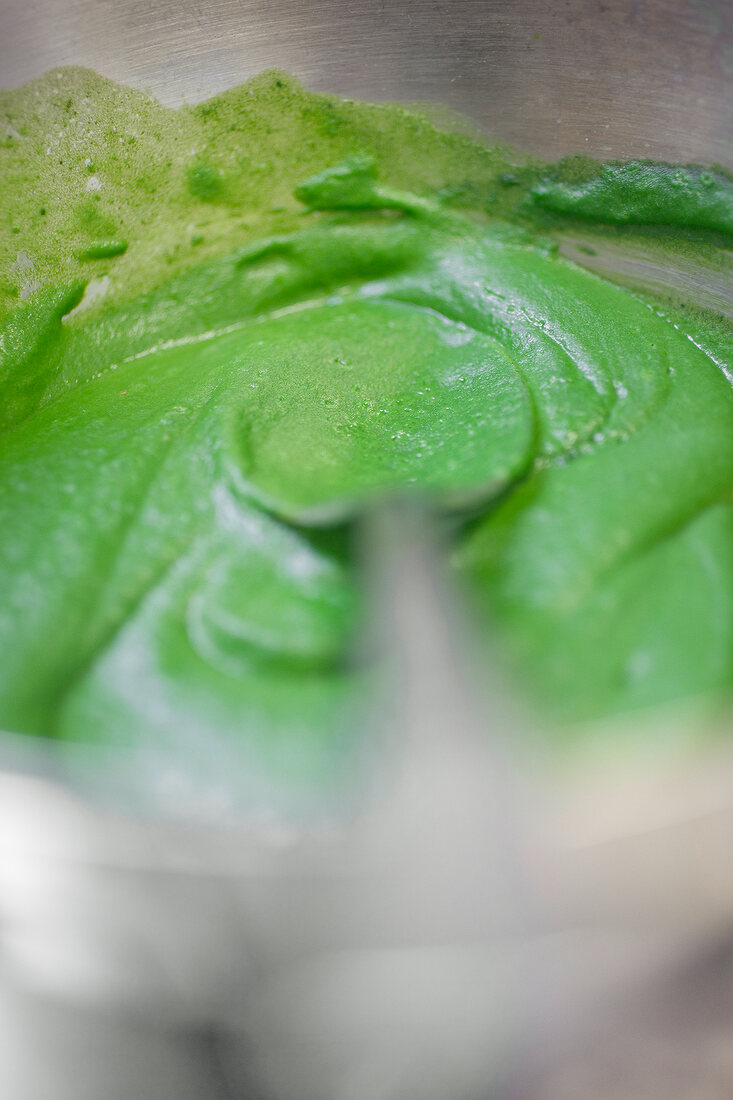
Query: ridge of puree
{"type": "Point", "coordinates": [225, 329]}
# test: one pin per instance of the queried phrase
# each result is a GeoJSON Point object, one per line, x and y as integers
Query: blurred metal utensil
{"type": "Point", "coordinates": [365, 958]}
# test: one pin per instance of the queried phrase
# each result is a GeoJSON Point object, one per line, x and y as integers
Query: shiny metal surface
{"type": "Point", "coordinates": [139, 939]}
{"type": "Point", "coordinates": [621, 78]}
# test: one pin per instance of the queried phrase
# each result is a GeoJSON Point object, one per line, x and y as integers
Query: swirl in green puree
{"type": "Point", "coordinates": [225, 328]}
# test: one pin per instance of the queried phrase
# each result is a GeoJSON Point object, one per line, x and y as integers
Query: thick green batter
{"type": "Point", "coordinates": [226, 328]}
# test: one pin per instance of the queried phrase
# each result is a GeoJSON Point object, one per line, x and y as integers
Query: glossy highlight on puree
{"type": "Point", "coordinates": [227, 329]}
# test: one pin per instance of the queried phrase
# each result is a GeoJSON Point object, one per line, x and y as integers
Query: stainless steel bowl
{"type": "Point", "coordinates": [622, 78]}
{"type": "Point", "coordinates": [149, 940]}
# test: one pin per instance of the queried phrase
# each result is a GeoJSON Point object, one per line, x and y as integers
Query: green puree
{"type": "Point", "coordinates": [227, 328]}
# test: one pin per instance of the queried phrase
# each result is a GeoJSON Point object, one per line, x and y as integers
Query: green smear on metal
{"type": "Point", "coordinates": [640, 193]}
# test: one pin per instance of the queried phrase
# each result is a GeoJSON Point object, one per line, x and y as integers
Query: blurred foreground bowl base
{"type": "Point", "coordinates": [470, 922]}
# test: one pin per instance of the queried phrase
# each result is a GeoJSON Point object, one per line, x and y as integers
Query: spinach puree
{"type": "Point", "coordinates": [227, 328]}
